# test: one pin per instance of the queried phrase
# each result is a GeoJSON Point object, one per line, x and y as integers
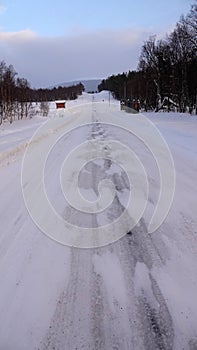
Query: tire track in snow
{"type": "Point", "coordinates": [69, 327]}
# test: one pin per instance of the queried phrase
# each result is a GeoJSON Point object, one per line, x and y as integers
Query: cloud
{"type": "Point", "coordinates": [17, 36]}
{"type": "Point", "coordinates": [45, 61]}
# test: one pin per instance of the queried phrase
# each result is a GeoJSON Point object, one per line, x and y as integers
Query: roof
{"type": "Point", "coordinates": [60, 101]}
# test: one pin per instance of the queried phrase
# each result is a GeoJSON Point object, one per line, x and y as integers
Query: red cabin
{"type": "Point", "coordinates": [60, 104]}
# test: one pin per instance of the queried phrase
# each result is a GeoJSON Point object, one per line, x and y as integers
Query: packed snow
{"type": "Point", "coordinates": [136, 293]}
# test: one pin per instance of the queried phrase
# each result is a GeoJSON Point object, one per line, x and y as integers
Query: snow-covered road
{"type": "Point", "coordinates": [20, 132]}
{"type": "Point", "coordinates": [136, 293]}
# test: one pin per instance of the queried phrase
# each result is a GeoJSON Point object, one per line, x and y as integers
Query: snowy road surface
{"type": "Point", "coordinates": [137, 293]}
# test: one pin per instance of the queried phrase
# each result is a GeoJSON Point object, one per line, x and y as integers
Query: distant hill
{"type": "Point", "coordinates": [90, 85]}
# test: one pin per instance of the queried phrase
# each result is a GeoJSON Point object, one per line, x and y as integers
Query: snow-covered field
{"type": "Point", "coordinates": [136, 293]}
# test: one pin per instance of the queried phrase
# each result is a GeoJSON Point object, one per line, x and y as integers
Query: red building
{"type": "Point", "coordinates": [60, 104]}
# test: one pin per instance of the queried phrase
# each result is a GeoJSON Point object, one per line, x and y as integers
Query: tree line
{"type": "Point", "coordinates": [166, 76]}
{"type": "Point", "coordinates": [16, 95]}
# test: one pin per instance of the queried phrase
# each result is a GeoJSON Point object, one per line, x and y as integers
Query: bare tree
{"type": "Point", "coordinates": [44, 107]}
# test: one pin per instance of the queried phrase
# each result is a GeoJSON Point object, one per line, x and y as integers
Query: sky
{"type": "Point", "coordinates": [49, 42]}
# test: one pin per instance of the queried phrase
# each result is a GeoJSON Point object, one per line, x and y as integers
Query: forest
{"type": "Point", "coordinates": [17, 97]}
{"type": "Point", "coordinates": [166, 76]}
